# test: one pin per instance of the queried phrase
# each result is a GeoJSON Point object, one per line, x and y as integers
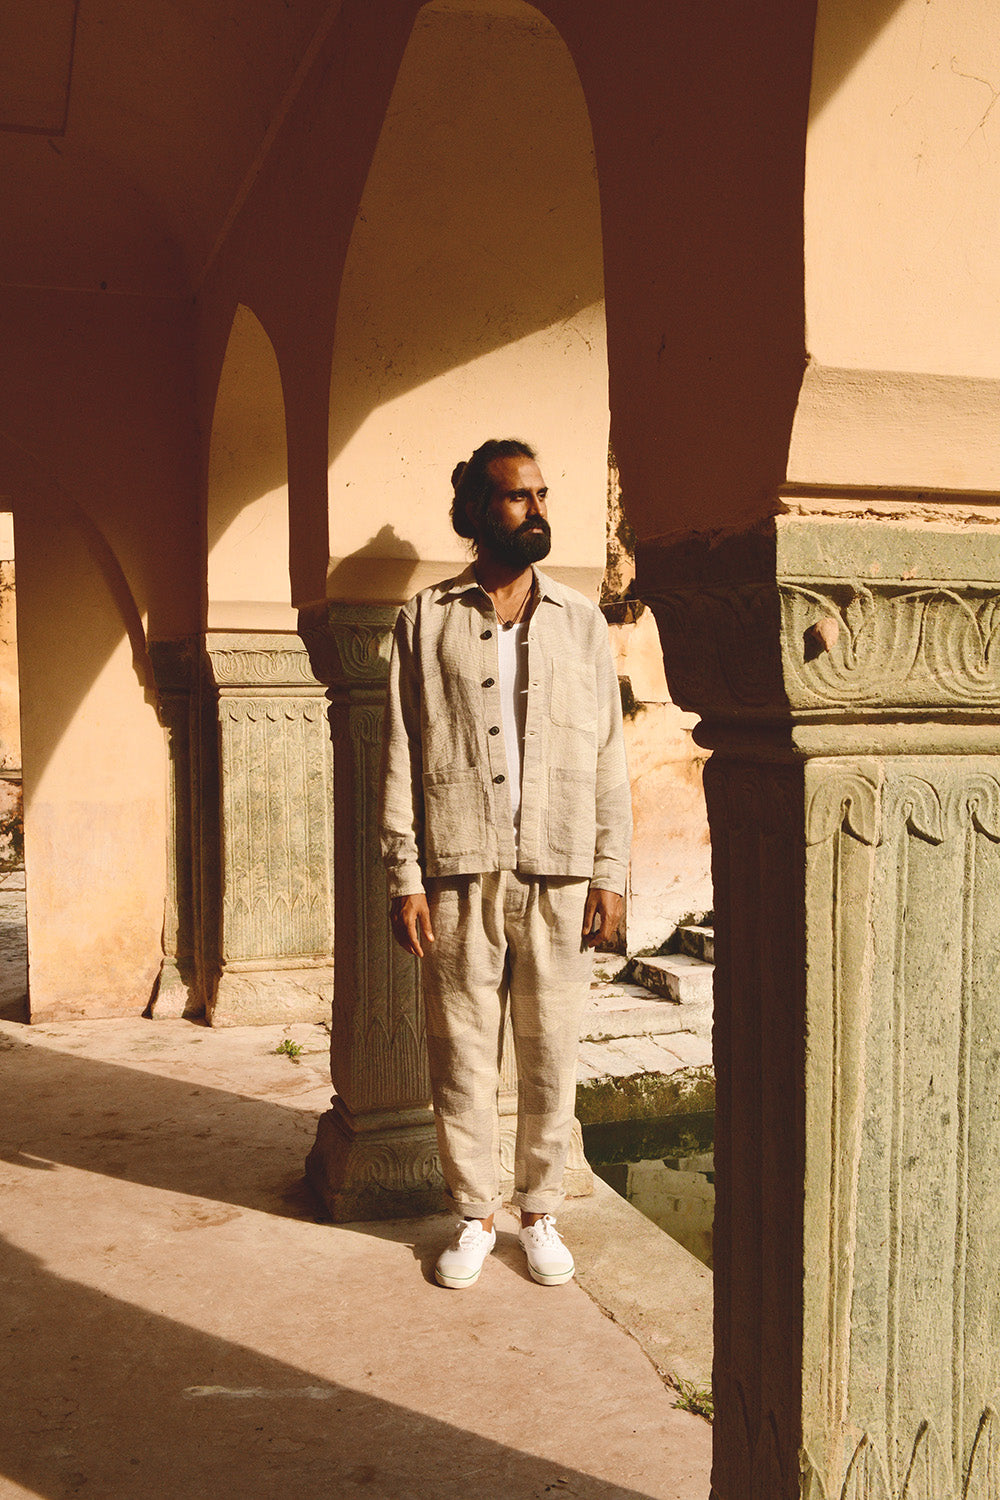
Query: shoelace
{"type": "Point", "coordinates": [468, 1234]}
{"type": "Point", "coordinates": [544, 1233]}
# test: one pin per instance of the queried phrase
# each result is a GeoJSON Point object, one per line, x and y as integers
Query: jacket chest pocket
{"type": "Point", "coordinates": [454, 814]}
{"type": "Point", "coordinates": [573, 696]}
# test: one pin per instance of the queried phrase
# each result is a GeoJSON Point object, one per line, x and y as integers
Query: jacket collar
{"type": "Point", "coordinates": [548, 589]}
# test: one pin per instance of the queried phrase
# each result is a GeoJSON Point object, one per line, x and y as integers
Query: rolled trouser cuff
{"type": "Point", "coordinates": [468, 1208]}
{"type": "Point", "coordinates": [539, 1203]}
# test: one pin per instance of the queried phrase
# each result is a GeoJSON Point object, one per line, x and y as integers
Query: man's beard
{"type": "Point", "coordinates": [518, 548]}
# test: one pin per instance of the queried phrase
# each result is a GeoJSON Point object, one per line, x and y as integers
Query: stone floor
{"type": "Point", "coordinates": [178, 1324]}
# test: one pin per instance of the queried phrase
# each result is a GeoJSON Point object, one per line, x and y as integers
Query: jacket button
{"type": "Point", "coordinates": [486, 635]}
{"type": "Point", "coordinates": [494, 729]}
{"type": "Point", "coordinates": [499, 779]}
{"type": "Point", "coordinates": [488, 682]}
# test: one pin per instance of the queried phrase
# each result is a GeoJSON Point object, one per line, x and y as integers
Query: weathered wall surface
{"type": "Point", "coordinates": [94, 786]}
{"type": "Point", "coordinates": [902, 272]}
{"type": "Point", "coordinates": [670, 874]}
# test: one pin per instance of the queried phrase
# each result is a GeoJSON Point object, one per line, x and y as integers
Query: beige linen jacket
{"type": "Point", "coordinates": [445, 804]}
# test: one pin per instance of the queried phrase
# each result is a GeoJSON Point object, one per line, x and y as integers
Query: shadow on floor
{"type": "Point", "coordinates": [114, 1400]}
{"type": "Point", "coordinates": [108, 1118]}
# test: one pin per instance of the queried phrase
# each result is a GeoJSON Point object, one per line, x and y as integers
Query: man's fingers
{"type": "Point", "coordinates": [411, 921]}
{"type": "Point", "coordinates": [589, 913]}
{"type": "Point", "coordinates": [604, 907]}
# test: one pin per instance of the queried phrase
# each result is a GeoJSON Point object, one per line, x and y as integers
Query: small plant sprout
{"type": "Point", "coordinates": [288, 1048]}
{"type": "Point", "coordinates": [695, 1398]}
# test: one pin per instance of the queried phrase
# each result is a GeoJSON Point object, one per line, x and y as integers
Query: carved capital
{"type": "Point", "coordinates": [890, 646]}
{"type": "Point", "coordinates": [175, 665]}
{"type": "Point", "coordinates": [256, 660]}
{"type": "Point", "coordinates": [826, 622]}
{"type": "Point", "coordinates": [349, 644]}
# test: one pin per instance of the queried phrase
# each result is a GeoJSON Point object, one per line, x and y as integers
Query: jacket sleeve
{"type": "Point", "coordinates": [613, 791]}
{"type": "Point", "coordinates": [401, 800]}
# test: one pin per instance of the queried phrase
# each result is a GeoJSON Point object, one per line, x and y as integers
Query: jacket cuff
{"type": "Point", "coordinates": [404, 880]}
{"type": "Point", "coordinates": [609, 875]}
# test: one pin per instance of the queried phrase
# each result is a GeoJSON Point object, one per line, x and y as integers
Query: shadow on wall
{"type": "Point", "coordinates": [845, 30]}
{"type": "Point", "coordinates": [399, 560]}
{"type": "Point", "coordinates": [476, 229]}
{"type": "Point", "coordinates": [93, 764]}
{"type": "Point", "coordinates": [470, 305]}
{"type": "Point", "coordinates": [246, 515]}
{"type": "Point", "coordinates": [75, 610]}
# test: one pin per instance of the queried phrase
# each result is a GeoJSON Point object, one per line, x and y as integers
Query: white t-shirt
{"type": "Point", "coordinates": [512, 643]}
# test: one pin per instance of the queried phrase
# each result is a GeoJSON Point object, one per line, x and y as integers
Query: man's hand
{"type": "Point", "coordinates": [605, 909]}
{"type": "Point", "coordinates": [411, 923]}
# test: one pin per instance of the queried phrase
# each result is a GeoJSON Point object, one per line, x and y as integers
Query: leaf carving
{"type": "Point", "coordinates": [916, 804]}
{"type": "Point", "coordinates": [866, 1475]}
{"type": "Point", "coordinates": [982, 1481]}
{"type": "Point", "coordinates": [929, 1474]}
{"type": "Point", "coordinates": [844, 801]}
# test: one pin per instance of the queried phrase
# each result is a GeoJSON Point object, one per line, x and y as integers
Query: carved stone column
{"type": "Point", "coordinates": [376, 1153]}
{"type": "Point", "coordinates": [848, 674]}
{"type": "Point", "coordinates": [180, 991]}
{"type": "Point", "coordinates": [275, 833]}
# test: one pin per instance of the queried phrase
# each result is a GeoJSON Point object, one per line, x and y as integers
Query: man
{"type": "Point", "coordinates": [505, 821]}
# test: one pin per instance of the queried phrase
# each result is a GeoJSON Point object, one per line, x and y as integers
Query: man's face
{"type": "Point", "coordinates": [514, 528]}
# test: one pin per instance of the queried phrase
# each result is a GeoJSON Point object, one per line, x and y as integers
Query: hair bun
{"type": "Point", "coordinates": [456, 474]}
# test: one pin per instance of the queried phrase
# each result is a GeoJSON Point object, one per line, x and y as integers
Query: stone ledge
{"type": "Point", "coordinates": [645, 1282]}
{"type": "Point", "coordinates": [637, 1095]}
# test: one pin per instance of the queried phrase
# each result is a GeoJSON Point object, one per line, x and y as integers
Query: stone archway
{"type": "Point", "coordinates": [266, 760]}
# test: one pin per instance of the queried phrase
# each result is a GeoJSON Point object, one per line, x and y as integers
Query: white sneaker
{"type": "Point", "coordinates": [459, 1266]}
{"type": "Point", "coordinates": [549, 1261]}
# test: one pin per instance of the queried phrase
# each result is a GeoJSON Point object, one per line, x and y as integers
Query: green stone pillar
{"type": "Point", "coordinates": [375, 1154]}
{"type": "Point", "coordinates": [848, 678]}
{"type": "Point", "coordinates": [275, 833]}
{"type": "Point", "coordinates": [180, 991]}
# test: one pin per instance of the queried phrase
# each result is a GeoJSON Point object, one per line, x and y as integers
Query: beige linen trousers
{"type": "Point", "coordinates": [504, 939]}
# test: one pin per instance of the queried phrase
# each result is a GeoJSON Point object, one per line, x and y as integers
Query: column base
{"type": "Point", "coordinates": [272, 996]}
{"type": "Point", "coordinates": [378, 1166]}
{"type": "Point", "coordinates": [176, 997]}
{"type": "Point", "coordinates": [386, 1165]}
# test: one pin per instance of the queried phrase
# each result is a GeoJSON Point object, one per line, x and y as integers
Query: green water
{"type": "Point", "coordinates": [665, 1168]}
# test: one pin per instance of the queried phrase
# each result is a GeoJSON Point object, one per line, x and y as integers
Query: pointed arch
{"type": "Point", "coordinates": [471, 303]}
{"type": "Point", "coordinates": [247, 502]}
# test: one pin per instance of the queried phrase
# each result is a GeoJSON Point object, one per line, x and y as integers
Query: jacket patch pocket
{"type": "Point", "coordinates": [454, 814]}
{"type": "Point", "coordinates": [572, 813]}
{"type": "Point", "coordinates": [573, 696]}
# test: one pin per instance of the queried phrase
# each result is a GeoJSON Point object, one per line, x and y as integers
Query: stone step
{"type": "Point", "coordinates": [618, 1010]}
{"type": "Point", "coordinates": [629, 1056]}
{"type": "Point", "coordinates": [677, 977]}
{"type": "Point", "coordinates": [698, 942]}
